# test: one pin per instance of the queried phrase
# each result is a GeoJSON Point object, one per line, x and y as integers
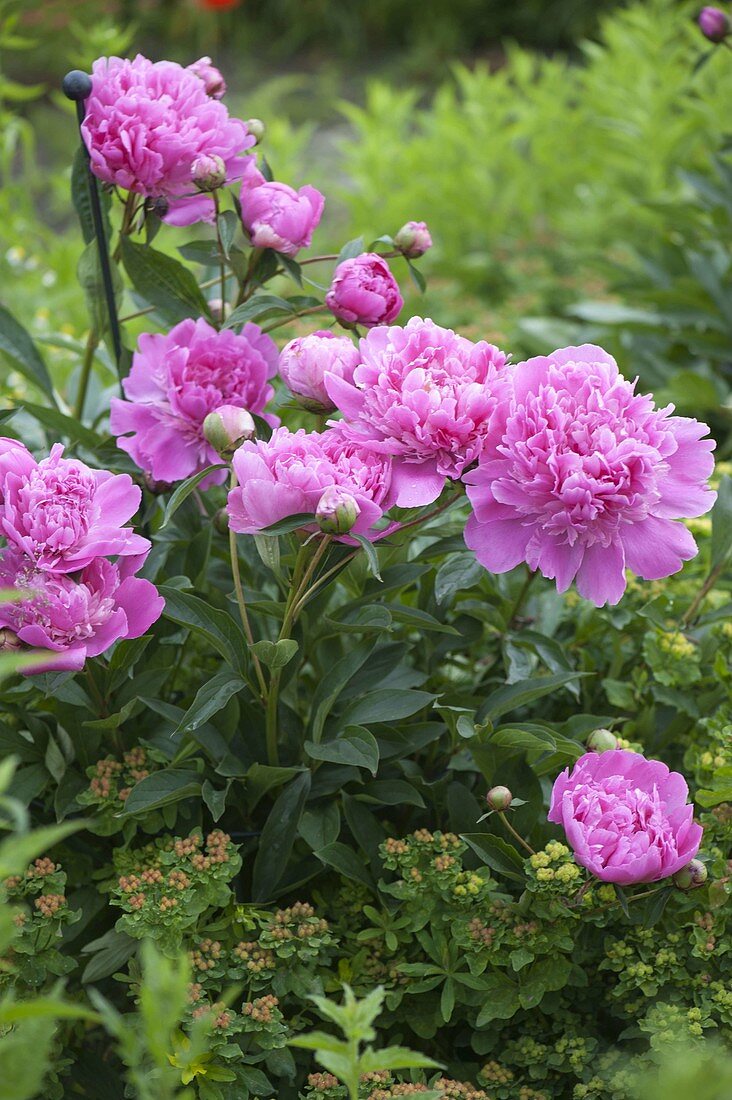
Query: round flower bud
{"type": "Point", "coordinates": [601, 740]}
{"type": "Point", "coordinates": [413, 239]}
{"type": "Point", "coordinates": [337, 511]}
{"type": "Point", "coordinates": [213, 80]}
{"type": "Point", "coordinates": [691, 876]}
{"type": "Point", "coordinates": [154, 486]}
{"type": "Point", "coordinates": [218, 309]}
{"type": "Point", "coordinates": [221, 521]}
{"type": "Point", "coordinates": [714, 24]}
{"type": "Point", "coordinates": [208, 172]}
{"type": "Point", "coordinates": [9, 641]}
{"type": "Point", "coordinates": [256, 128]}
{"type": "Point", "coordinates": [227, 427]}
{"type": "Point", "coordinates": [499, 798]}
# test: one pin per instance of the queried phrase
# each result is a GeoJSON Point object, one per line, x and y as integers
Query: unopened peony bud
{"type": "Point", "coordinates": [210, 75]}
{"type": "Point", "coordinates": [413, 239]}
{"type": "Point", "coordinates": [601, 740]}
{"type": "Point", "coordinates": [159, 206]}
{"type": "Point", "coordinates": [156, 487]}
{"type": "Point", "coordinates": [499, 798]}
{"type": "Point", "coordinates": [221, 521]}
{"type": "Point", "coordinates": [227, 427]}
{"type": "Point", "coordinates": [9, 641]}
{"type": "Point", "coordinates": [692, 875]}
{"type": "Point", "coordinates": [337, 511]}
{"type": "Point", "coordinates": [714, 24]}
{"type": "Point", "coordinates": [208, 172]}
{"type": "Point", "coordinates": [256, 128]}
{"type": "Point", "coordinates": [218, 309]}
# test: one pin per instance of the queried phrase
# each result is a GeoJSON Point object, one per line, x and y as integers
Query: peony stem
{"type": "Point", "coordinates": [514, 834]}
{"type": "Point", "coordinates": [222, 261]}
{"type": "Point", "coordinates": [521, 598]}
{"type": "Point", "coordinates": [293, 316]}
{"type": "Point", "coordinates": [92, 342]}
{"type": "Point", "coordinates": [234, 554]}
{"type": "Point", "coordinates": [297, 588]}
{"type": "Point", "coordinates": [701, 595]}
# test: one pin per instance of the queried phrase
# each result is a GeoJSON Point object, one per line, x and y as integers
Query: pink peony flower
{"type": "Point", "coordinates": [80, 616]}
{"type": "Point", "coordinates": [176, 380]}
{"type": "Point", "coordinates": [426, 396]}
{"type": "Point", "coordinates": [213, 81]}
{"type": "Point", "coordinates": [625, 817]}
{"type": "Point", "coordinates": [305, 361]}
{"type": "Point", "coordinates": [62, 514]}
{"type": "Point", "coordinates": [275, 215]}
{"type": "Point", "coordinates": [146, 123]}
{"type": "Point", "coordinates": [288, 474]}
{"type": "Point", "coordinates": [587, 478]}
{"type": "Point", "coordinates": [364, 292]}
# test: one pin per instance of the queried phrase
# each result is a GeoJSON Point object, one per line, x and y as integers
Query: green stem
{"type": "Point", "coordinates": [517, 836]}
{"type": "Point", "coordinates": [151, 309]}
{"type": "Point", "coordinates": [293, 316]}
{"type": "Point", "coordinates": [297, 588]}
{"type": "Point", "coordinates": [243, 615]}
{"type": "Point", "coordinates": [222, 260]}
{"type": "Point", "coordinates": [126, 228]}
{"type": "Point", "coordinates": [92, 344]}
{"type": "Point", "coordinates": [703, 592]}
{"type": "Point", "coordinates": [521, 598]}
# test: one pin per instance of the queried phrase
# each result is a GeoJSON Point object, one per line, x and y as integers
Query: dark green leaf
{"type": "Point", "coordinates": [161, 788]}
{"type": "Point", "coordinates": [218, 627]}
{"type": "Point", "coordinates": [278, 836]}
{"type": "Point", "coordinates": [497, 854]}
{"type": "Point", "coordinates": [18, 347]}
{"type": "Point", "coordinates": [356, 746]}
{"type": "Point", "coordinates": [163, 282]}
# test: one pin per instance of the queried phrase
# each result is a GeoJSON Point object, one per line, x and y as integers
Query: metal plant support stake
{"type": "Point", "coordinates": [77, 86]}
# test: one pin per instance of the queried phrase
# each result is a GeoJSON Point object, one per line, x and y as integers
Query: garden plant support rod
{"type": "Point", "coordinates": [77, 86]}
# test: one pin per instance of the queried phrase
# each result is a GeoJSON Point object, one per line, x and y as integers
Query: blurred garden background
{"type": "Point", "coordinates": [569, 156]}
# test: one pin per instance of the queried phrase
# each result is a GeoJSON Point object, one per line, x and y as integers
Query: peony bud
{"type": "Point", "coordinates": [601, 740]}
{"type": "Point", "coordinates": [337, 511]}
{"type": "Point", "coordinates": [208, 172]}
{"type": "Point", "coordinates": [210, 75]}
{"type": "Point", "coordinates": [219, 309]}
{"type": "Point", "coordinates": [256, 128]}
{"type": "Point", "coordinates": [714, 24]}
{"type": "Point", "coordinates": [9, 641]}
{"type": "Point", "coordinates": [227, 427]}
{"type": "Point", "coordinates": [499, 798]}
{"type": "Point", "coordinates": [221, 521]}
{"type": "Point", "coordinates": [691, 876]}
{"type": "Point", "coordinates": [154, 486]}
{"type": "Point", "coordinates": [413, 239]}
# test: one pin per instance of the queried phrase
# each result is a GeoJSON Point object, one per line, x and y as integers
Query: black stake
{"type": "Point", "coordinates": [76, 86]}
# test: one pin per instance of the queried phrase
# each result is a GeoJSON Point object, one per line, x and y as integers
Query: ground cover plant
{"type": "Point", "coordinates": [367, 708]}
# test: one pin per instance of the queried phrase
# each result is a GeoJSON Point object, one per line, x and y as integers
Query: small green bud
{"type": "Point", "coordinates": [691, 876]}
{"type": "Point", "coordinates": [499, 798]}
{"type": "Point", "coordinates": [337, 511]}
{"type": "Point", "coordinates": [601, 740]}
{"type": "Point", "coordinates": [227, 427]}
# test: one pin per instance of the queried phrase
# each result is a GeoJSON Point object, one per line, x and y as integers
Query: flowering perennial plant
{"type": "Point", "coordinates": [306, 683]}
